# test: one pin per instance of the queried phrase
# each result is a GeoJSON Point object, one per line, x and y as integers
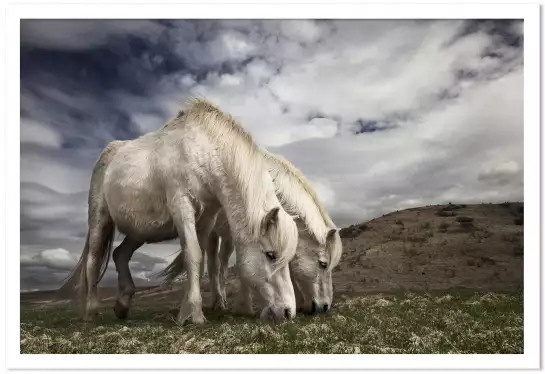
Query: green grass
{"type": "Point", "coordinates": [453, 322]}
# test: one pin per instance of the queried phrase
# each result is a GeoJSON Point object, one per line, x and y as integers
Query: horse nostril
{"type": "Point", "coordinates": [287, 313]}
{"type": "Point", "coordinates": [314, 307]}
{"type": "Point", "coordinates": [326, 307]}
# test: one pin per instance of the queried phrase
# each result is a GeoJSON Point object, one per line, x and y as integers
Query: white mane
{"type": "Point", "coordinates": [299, 198]}
{"type": "Point", "coordinates": [240, 155]}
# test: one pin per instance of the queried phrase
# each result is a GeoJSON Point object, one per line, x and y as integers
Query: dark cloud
{"type": "Point", "coordinates": [82, 35]}
{"type": "Point", "coordinates": [49, 216]}
{"type": "Point", "coordinates": [369, 125]}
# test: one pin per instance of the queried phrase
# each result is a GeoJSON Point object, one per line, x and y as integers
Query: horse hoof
{"type": "Point", "coordinates": [121, 312]}
{"type": "Point", "coordinates": [194, 318]}
{"type": "Point", "coordinates": [198, 319]}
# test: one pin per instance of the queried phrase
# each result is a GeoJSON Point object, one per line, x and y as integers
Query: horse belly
{"type": "Point", "coordinates": [144, 218]}
{"type": "Point", "coordinates": [149, 229]}
{"type": "Point", "coordinates": [138, 208]}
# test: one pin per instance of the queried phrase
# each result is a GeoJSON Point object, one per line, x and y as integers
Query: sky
{"type": "Point", "coordinates": [380, 115]}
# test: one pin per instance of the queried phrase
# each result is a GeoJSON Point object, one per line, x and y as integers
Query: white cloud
{"type": "Point", "coordinates": [259, 71]}
{"type": "Point", "coordinates": [440, 157]}
{"type": "Point", "coordinates": [304, 30]}
{"type": "Point", "coordinates": [58, 258]}
{"type": "Point", "coordinates": [52, 212]}
{"type": "Point", "coordinates": [376, 80]}
{"type": "Point", "coordinates": [59, 176]}
{"type": "Point", "coordinates": [39, 133]}
{"type": "Point", "coordinates": [315, 128]}
{"type": "Point", "coordinates": [502, 173]}
{"type": "Point", "coordinates": [325, 193]}
{"type": "Point", "coordinates": [347, 75]}
{"type": "Point", "coordinates": [232, 46]}
{"type": "Point", "coordinates": [147, 122]}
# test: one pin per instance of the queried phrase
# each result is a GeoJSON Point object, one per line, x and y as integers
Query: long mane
{"type": "Point", "coordinates": [240, 155]}
{"type": "Point", "coordinates": [298, 197]}
{"type": "Point", "coordinates": [286, 173]}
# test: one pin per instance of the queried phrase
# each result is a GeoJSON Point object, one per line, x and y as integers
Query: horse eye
{"type": "Point", "coordinates": [323, 264]}
{"type": "Point", "coordinates": [271, 255]}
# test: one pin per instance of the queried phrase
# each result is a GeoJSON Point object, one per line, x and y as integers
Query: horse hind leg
{"type": "Point", "coordinates": [126, 288]}
{"type": "Point", "coordinates": [101, 233]}
{"type": "Point", "coordinates": [212, 260]}
{"type": "Point", "coordinates": [94, 259]}
{"type": "Point", "coordinates": [183, 213]}
{"type": "Point", "coordinates": [225, 252]}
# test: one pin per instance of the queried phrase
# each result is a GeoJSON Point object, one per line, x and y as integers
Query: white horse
{"type": "Point", "coordinates": [318, 251]}
{"type": "Point", "coordinates": [171, 183]}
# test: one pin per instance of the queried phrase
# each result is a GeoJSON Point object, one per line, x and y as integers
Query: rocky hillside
{"type": "Point", "coordinates": [435, 247]}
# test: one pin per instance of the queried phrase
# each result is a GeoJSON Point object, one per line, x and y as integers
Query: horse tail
{"type": "Point", "coordinates": [102, 225]}
{"type": "Point", "coordinates": [173, 270]}
{"type": "Point", "coordinates": [75, 284]}
{"type": "Point", "coordinates": [73, 281]}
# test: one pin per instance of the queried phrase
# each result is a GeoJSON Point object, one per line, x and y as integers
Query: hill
{"type": "Point", "coordinates": [430, 249]}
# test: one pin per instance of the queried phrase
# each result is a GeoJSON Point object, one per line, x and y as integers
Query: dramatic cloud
{"type": "Point", "coordinates": [380, 115]}
{"type": "Point", "coordinates": [83, 34]}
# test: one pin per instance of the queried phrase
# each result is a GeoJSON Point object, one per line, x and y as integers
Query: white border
{"type": "Point", "coordinates": [530, 14]}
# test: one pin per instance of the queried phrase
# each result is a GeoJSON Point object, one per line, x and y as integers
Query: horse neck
{"type": "Point", "coordinates": [242, 182]}
{"type": "Point", "coordinates": [245, 199]}
{"type": "Point", "coordinates": [244, 227]}
{"type": "Point", "coordinates": [297, 201]}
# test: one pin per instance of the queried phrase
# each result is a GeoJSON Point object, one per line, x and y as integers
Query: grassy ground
{"type": "Point", "coordinates": [447, 322]}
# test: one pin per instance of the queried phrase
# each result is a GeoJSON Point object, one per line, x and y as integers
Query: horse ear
{"type": "Point", "coordinates": [270, 218]}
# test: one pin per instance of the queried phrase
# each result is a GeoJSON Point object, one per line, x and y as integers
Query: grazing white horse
{"type": "Point", "coordinates": [318, 251]}
{"type": "Point", "coordinates": [171, 183]}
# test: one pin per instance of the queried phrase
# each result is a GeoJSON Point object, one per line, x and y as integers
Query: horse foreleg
{"type": "Point", "coordinates": [245, 298]}
{"type": "Point", "coordinates": [212, 252]}
{"type": "Point", "coordinates": [126, 288]}
{"type": "Point", "coordinates": [183, 214]}
{"type": "Point", "coordinates": [245, 302]}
